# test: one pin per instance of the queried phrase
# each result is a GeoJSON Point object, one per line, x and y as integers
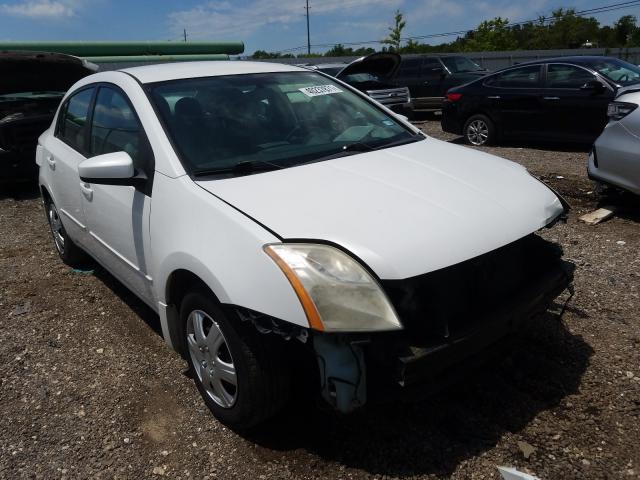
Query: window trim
{"type": "Point", "coordinates": [543, 77]}
{"type": "Point", "coordinates": [63, 112]}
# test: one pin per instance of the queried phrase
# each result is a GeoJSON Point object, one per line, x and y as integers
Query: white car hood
{"type": "Point", "coordinates": [405, 210]}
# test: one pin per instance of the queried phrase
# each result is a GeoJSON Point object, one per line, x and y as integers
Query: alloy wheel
{"type": "Point", "coordinates": [478, 132]}
{"type": "Point", "coordinates": [56, 227]}
{"type": "Point", "coordinates": [211, 359]}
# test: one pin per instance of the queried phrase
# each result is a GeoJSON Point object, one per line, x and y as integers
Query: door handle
{"type": "Point", "coordinates": [87, 191]}
{"type": "Point", "coordinates": [51, 161]}
{"type": "Point", "coordinates": [494, 97]}
{"type": "Point", "coordinates": [551, 98]}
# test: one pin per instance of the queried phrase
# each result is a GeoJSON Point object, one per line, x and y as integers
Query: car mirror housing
{"type": "Point", "coordinates": [115, 166]}
{"type": "Point", "coordinates": [594, 86]}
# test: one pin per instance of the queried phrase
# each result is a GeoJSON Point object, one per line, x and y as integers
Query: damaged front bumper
{"type": "Point", "coordinates": [435, 348]}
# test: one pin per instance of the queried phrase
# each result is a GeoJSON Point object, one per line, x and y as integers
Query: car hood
{"type": "Point", "coordinates": [41, 71]}
{"type": "Point", "coordinates": [383, 65]}
{"type": "Point", "coordinates": [404, 211]}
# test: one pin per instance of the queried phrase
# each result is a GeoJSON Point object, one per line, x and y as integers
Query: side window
{"type": "Point", "coordinates": [115, 128]}
{"type": "Point", "coordinates": [410, 68]}
{"type": "Point", "coordinates": [72, 123]}
{"type": "Point", "coordinates": [525, 77]}
{"type": "Point", "coordinates": [567, 76]}
{"type": "Point", "coordinates": [431, 67]}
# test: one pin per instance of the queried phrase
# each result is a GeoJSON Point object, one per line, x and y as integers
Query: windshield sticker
{"type": "Point", "coordinates": [388, 123]}
{"type": "Point", "coordinates": [320, 90]}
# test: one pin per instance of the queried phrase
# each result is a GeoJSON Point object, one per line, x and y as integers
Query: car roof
{"type": "Point", "coordinates": [577, 59]}
{"type": "Point", "coordinates": [174, 71]}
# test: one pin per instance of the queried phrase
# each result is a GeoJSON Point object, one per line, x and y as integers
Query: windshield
{"type": "Point", "coordinates": [618, 71]}
{"type": "Point", "coordinates": [461, 64]}
{"type": "Point", "coordinates": [274, 119]}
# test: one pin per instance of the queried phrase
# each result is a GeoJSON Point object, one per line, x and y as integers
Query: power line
{"type": "Point", "coordinates": [591, 11]}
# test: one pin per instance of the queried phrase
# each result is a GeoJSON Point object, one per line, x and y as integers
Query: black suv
{"type": "Point", "coordinates": [430, 76]}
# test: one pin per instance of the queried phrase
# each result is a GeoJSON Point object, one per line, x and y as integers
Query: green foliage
{"type": "Point", "coordinates": [394, 40]}
{"type": "Point", "coordinates": [565, 29]}
{"type": "Point", "coordinates": [339, 50]}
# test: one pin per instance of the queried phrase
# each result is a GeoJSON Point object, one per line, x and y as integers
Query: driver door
{"type": "Point", "coordinates": [117, 216]}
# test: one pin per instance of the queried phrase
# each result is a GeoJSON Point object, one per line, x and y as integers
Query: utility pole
{"type": "Point", "coordinates": [308, 35]}
{"type": "Point", "coordinates": [184, 30]}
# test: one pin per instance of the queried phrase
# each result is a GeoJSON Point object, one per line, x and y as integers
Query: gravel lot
{"type": "Point", "coordinates": [88, 388]}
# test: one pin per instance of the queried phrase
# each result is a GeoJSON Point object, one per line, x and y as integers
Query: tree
{"type": "Point", "coordinates": [624, 29]}
{"type": "Point", "coordinates": [394, 39]}
{"type": "Point", "coordinates": [491, 35]}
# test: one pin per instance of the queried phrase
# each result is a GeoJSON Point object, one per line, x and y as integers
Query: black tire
{"type": "Point", "coordinates": [69, 252]}
{"type": "Point", "coordinates": [479, 130]}
{"type": "Point", "coordinates": [263, 377]}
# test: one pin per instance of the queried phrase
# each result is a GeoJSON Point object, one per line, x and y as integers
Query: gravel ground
{"type": "Point", "coordinates": [89, 390]}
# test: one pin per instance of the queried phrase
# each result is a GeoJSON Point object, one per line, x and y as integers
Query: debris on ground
{"type": "Point", "coordinates": [598, 216]}
{"type": "Point", "coordinates": [509, 473]}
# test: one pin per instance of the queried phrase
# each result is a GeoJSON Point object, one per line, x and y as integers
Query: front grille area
{"type": "Point", "coordinates": [444, 305]}
{"type": "Point", "coordinates": [392, 96]}
{"type": "Point", "coordinates": [23, 135]}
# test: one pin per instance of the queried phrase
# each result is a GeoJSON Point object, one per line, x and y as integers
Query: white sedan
{"type": "Point", "coordinates": [287, 228]}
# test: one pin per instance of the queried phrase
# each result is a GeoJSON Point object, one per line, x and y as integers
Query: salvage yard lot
{"type": "Point", "coordinates": [88, 388]}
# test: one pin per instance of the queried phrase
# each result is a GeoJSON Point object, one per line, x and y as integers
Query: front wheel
{"type": "Point", "coordinates": [479, 130]}
{"type": "Point", "coordinates": [240, 373]}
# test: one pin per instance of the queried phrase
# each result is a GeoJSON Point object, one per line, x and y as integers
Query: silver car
{"type": "Point", "coordinates": [615, 156]}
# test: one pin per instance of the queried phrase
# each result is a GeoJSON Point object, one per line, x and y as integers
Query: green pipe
{"type": "Point", "coordinates": [102, 49]}
{"type": "Point", "coordinates": [154, 58]}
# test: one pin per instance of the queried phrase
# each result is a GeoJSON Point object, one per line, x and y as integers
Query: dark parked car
{"type": "Point", "coordinates": [554, 99]}
{"type": "Point", "coordinates": [33, 83]}
{"type": "Point", "coordinates": [373, 75]}
{"type": "Point", "coordinates": [429, 77]}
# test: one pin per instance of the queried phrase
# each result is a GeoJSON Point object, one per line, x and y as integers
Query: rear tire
{"type": "Point", "coordinates": [241, 374]}
{"type": "Point", "coordinates": [479, 130]}
{"type": "Point", "coordinates": [69, 252]}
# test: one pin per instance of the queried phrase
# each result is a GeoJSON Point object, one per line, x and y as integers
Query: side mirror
{"type": "Point", "coordinates": [439, 71]}
{"type": "Point", "coordinates": [110, 169]}
{"type": "Point", "coordinates": [594, 86]}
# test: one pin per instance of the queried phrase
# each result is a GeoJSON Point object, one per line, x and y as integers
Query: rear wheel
{"type": "Point", "coordinates": [240, 373]}
{"type": "Point", "coordinates": [69, 252]}
{"type": "Point", "coordinates": [479, 130]}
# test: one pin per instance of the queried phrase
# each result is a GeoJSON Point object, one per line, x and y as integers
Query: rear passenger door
{"type": "Point", "coordinates": [61, 155]}
{"type": "Point", "coordinates": [433, 75]}
{"type": "Point", "coordinates": [513, 98]}
{"type": "Point", "coordinates": [574, 112]}
{"type": "Point", "coordinates": [118, 215]}
{"type": "Point", "coordinates": [409, 76]}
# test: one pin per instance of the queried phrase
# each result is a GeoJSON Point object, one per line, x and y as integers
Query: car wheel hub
{"type": "Point", "coordinates": [478, 132]}
{"type": "Point", "coordinates": [211, 359]}
{"type": "Point", "coordinates": [56, 228]}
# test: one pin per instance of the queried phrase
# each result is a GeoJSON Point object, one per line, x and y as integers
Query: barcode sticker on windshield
{"type": "Point", "coordinates": [320, 90]}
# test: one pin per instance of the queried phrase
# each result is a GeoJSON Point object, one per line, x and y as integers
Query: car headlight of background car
{"type": "Point", "coordinates": [336, 292]}
{"type": "Point", "coordinates": [619, 110]}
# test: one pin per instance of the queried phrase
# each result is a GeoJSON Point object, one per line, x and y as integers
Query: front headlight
{"type": "Point", "coordinates": [336, 292]}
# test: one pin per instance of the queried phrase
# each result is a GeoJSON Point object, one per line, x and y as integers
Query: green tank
{"type": "Point", "coordinates": [110, 49]}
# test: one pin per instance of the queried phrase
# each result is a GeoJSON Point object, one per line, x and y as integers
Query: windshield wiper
{"type": "Point", "coordinates": [356, 147]}
{"type": "Point", "coordinates": [241, 168]}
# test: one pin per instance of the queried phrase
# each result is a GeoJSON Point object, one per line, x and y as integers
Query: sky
{"type": "Point", "coordinates": [272, 25]}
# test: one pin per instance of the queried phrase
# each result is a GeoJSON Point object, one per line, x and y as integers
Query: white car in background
{"type": "Point", "coordinates": [615, 156]}
{"type": "Point", "coordinates": [283, 225]}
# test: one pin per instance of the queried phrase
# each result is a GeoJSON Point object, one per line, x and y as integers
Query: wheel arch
{"type": "Point", "coordinates": [179, 282]}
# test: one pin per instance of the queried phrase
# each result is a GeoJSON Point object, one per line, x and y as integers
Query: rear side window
{"type": "Point", "coordinates": [431, 66]}
{"type": "Point", "coordinates": [525, 77]}
{"type": "Point", "coordinates": [568, 76]}
{"type": "Point", "coordinates": [72, 125]}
